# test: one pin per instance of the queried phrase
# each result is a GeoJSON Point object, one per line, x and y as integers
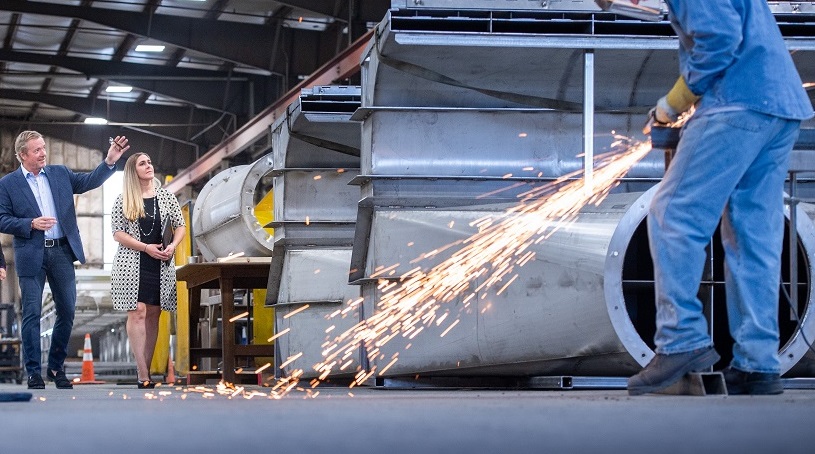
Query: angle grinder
{"type": "Point", "coordinates": [665, 138]}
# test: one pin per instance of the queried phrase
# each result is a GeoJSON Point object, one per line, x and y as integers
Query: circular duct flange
{"type": "Point", "coordinates": [629, 289]}
{"type": "Point", "coordinates": [223, 219]}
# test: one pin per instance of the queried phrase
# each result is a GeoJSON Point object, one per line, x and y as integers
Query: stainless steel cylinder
{"type": "Point", "coordinates": [223, 220]}
{"type": "Point", "coordinates": [583, 306]}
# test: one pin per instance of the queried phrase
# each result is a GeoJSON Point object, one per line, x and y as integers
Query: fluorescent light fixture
{"type": "Point", "coordinates": [95, 121]}
{"type": "Point", "coordinates": [308, 23]}
{"type": "Point", "coordinates": [626, 8]}
{"type": "Point", "coordinates": [149, 48]}
{"type": "Point", "coordinates": [118, 89]}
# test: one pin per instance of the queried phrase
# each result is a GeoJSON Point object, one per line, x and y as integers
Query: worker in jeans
{"type": "Point", "coordinates": [730, 165]}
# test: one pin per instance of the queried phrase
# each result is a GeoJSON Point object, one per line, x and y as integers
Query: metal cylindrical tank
{"type": "Point", "coordinates": [583, 306]}
{"type": "Point", "coordinates": [223, 220]}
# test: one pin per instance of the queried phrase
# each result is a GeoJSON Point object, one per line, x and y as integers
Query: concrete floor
{"type": "Point", "coordinates": [113, 418]}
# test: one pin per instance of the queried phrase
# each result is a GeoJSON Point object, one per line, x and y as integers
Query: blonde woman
{"type": "Point", "coordinates": [143, 275]}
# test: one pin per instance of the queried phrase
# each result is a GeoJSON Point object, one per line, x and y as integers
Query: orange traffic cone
{"type": "Point", "coordinates": [88, 377]}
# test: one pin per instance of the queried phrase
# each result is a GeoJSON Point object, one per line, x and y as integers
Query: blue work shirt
{"type": "Point", "coordinates": [41, 188]}
{"type": "Point", "coordinates": [731, 53]}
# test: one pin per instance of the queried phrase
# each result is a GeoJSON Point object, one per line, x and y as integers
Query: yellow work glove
{"type": "Point", "coordinates": [676, 102]}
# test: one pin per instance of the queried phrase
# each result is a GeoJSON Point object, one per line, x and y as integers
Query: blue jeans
{"type": "Point", "coordinates": [729, 166]}
{"type": "Point", "coordinates": [58, 267]}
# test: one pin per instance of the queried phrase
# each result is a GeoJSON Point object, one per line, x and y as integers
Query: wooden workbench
{"type": "Point", "coordinates": [226, 276]}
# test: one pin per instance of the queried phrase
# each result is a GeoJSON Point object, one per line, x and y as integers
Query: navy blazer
{"type": "Point", "coordinates": [18, 208]}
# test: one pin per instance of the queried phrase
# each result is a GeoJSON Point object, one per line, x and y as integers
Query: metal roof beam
{"type": "Point", "coordinates": [192, 86]}
{"type": "Point", "coordinates": [114, 111]}
{"type": "Point", "coordinates": [371, 10]}
{"type": "Point", "coordinates": [221, 39]}
{"type": "Point", "coordinates": [105, 69]}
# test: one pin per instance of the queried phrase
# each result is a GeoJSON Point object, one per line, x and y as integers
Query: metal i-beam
{"type": "Point", "coordinates": [118, 111]}
{"type": "Point", "coordinates": [222, 39]}
{"type": "Point", "coordinates": [192, 86]}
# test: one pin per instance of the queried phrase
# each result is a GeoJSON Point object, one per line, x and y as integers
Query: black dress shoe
{"type": "Point", "coordinates": [35, 382]}
{"type": "Point", "coordinates": [59, 379]}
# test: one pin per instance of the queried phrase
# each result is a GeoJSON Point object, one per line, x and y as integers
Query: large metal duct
{"type": "Point", "coordinates": [223, 220]}
{"type": "Point", "coordinates": [312, 285]}
{"type": "Point", "coordinates": [316, 155]}
{"type": "Point", "coordinates": [462, 110]}
{"type": "Point", "coordinates": [583, 306]}
{"type": "Point", "coordinates": [481, 92]}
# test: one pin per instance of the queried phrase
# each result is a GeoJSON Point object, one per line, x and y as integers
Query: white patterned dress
{"type": "Point", "coordinates": [124, 276]}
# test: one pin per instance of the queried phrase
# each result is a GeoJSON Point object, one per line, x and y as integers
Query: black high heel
{"type": "Point", "coordinates": [146, 384]}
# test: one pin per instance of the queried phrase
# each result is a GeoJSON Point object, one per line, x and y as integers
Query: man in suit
{"type": "Point", "coordinates": [37, 208]}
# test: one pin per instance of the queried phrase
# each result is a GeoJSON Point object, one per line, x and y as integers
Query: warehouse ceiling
{"type": "Point", "coordinates": [219, 63]}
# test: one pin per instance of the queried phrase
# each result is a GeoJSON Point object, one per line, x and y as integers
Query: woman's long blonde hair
{"type": "Point", "coordinates": [133, 203]}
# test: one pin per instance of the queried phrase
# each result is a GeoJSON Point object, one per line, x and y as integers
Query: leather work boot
{"type": "Point", "coordinates": [665, 370]}
{"type": "Point", "coordinates": [753, 383]}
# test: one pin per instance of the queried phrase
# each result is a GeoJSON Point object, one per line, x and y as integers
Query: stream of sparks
{"type": "Point", "coordinates": [501, 244]}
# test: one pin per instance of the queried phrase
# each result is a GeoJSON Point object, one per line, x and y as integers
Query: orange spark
{"type": "Point", "coordinates": [239, 316]}
{"type": "Point", "coordinates": [291, 359]}
{"type": "Point", "coordinates": [296, 311]}
{"type": "Point", "coordinates": [449, 328]}
{"type": "Point", "coordinates": [278, 335]}
{"type": "Point", "coordinates": [502, 243]}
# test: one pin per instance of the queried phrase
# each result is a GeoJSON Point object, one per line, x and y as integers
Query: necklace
{"type": "Point", "coordinates": [152, 216]}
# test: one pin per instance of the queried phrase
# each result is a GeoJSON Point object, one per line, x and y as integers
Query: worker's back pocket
{"type": "Point", "coordinates": [746, 120]}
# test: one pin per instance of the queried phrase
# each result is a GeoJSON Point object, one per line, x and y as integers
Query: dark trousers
{"type": "Point", "coordinates": [58, 268]}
